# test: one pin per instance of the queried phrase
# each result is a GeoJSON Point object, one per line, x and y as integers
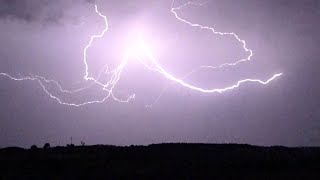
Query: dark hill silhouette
{"type": "Point", "coordinates": [161, 161]}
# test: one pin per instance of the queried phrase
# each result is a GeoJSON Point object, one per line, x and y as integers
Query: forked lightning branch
{"type": "Point", "coordinates": [139, 51]}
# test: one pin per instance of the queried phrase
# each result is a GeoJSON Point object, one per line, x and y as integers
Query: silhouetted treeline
{"type": "Point", "coordinates": [161, 161]}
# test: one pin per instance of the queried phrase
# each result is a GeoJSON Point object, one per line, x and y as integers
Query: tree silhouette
{"type": "Point", "coordinates": [46, 146]}
{"type": "Point", "coordinates": [33, 147]}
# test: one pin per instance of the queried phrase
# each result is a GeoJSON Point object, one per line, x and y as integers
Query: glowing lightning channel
{"type": "Point", "coordinates": [154, 66]}
{"type": "Point", "coordinates": [219, 90]}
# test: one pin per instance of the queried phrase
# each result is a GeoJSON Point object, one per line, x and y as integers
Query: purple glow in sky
{"type": "Point", "coordinates": [204, 85]}
{"type": "Point", "coordinates": [137, 47]}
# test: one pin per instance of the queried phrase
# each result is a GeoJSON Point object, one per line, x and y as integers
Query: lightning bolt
{"type": "Point", "coordinates": [141, 49]}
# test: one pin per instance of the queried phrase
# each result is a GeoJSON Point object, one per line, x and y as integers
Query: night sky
{"type": "Point", "coordinates": [47, 38]}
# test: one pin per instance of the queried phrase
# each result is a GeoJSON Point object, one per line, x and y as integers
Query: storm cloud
{"type": "Point", "coordinates": [45, 11]}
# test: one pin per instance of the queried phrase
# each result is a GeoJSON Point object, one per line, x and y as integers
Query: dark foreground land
{"type": "Point", "coordinates": [161, 161]}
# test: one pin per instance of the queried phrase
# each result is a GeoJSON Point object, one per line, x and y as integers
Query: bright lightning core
{"type": "Point", "coordinates": [136, 45]}
{"type": "Point", "coordinates": [137, 48]}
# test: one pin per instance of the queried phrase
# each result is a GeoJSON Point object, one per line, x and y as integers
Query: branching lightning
{"type": "Point", "coordinates": [138, 50]}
